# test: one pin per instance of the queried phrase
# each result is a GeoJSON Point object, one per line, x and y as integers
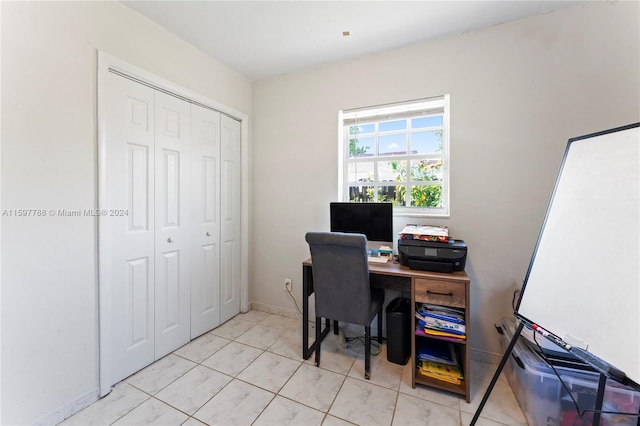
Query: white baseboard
{"type": "Point", "coordinates": [486, 357]}
{"type": "Point", "coordinates": [276, 310]}
{"type": "Point", "coordinates": [61, 413]}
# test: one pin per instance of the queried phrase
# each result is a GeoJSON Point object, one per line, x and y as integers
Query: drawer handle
{"type": "Point", "coordinates": [435, 293]}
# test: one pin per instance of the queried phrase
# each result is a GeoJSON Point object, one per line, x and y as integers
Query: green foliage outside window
{"type": "Point", "coordinates": [422, 171]}
{"type": "Point", "coordinates": [421, 195]}
{"type": "Point", "coordinates": [354, 149]}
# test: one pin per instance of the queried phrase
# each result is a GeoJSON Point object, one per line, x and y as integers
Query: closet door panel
{"type": "Point", "coordinates": [205, 172]}
{"type": "Point", "coordinates": [172, 286]}
{"type": "Point", "coordinates": [138, 303]}
{"type": "Point", "coordinates": [230, 217]}
{"type": "Point", "coordinates": [127, 253]}
{"type": "Point", "coordinates": [138, 188]}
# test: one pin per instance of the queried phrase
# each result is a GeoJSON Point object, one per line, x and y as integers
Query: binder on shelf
{"type": "Point", "coordinates": [440, 321]}
{"type": "Point", "coordinates": [437, 351]}
{"type": "Point", "coordinates": [441, 312]}
{"type": "Point", "coordinates": [442, 325]}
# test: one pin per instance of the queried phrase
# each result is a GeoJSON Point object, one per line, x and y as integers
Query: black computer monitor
{"type": "Point", "coordinates": [375, 220]}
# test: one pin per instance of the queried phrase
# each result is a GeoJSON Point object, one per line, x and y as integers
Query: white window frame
{"type": "Point", "coordinates": [415, 108]}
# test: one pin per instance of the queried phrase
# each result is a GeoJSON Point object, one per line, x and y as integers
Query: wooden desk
{"type": "Point", "coordinates": [431, 287]}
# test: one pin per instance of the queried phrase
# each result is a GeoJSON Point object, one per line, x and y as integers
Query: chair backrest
{"type": "Point", "coordinates": [340, 276]}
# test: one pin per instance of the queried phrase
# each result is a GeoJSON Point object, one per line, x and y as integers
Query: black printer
{"type": "Point", "coordinates": [433, 256]}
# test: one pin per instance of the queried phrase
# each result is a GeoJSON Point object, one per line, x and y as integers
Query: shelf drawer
{"type": "Point", "coordinates": [444, 293]}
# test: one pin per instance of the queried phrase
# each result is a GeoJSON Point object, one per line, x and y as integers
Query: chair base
{"type": "Point", "coordinates": [367, 342]}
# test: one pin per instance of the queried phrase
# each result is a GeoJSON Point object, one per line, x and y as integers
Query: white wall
{"type": "Point", "coordinates": [519, 91]}
{"type": "Point", "coordinates": [49, 268]}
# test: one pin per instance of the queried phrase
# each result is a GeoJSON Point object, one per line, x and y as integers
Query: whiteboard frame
{"type": "Point", "coordinates": [617, 346]}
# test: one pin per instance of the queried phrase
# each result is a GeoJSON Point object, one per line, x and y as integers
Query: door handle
{"type": "Point", "coordinates": [208, 234]}
{"type": "Point", "coordinates": [169, 240]}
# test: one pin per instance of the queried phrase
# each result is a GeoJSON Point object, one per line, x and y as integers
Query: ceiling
{"type": "Point", "coordinates": [261, 39]}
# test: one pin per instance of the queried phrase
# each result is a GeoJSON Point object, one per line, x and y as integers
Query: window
{"type": "Point", "coordinates": [397, 153]}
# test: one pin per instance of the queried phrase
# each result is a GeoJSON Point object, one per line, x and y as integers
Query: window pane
{"type": "Point", "coordinates": [392, 144]}
{"type": "Point", "coordinates": [426, 170]}
{"type": "Point", "coordinates": [359, 129]}
{"type": "Point", "coordinates": [361, 193]}
{"type": "Point", "coordinates": [362, 171]}
{"type": "Point", "coordinates": [361, 147]}
{"type": "Point", "coordinates": [426, 142]}
{"type": "Point", "coordinates": [426, 196]}
{"type": "Point", "coordinates": [399, 196]}
{"type": "Point", "coordinates": [392, 171]}
{"type": "Point", "coordinates": [390, 126]}
{"type": "Point", "coordinates": [433, 121]}
{"type": "Point", "coordinates": [387, 194]}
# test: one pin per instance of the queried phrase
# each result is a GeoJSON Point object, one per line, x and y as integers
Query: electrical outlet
{"type": "Point", "coordinates": [287, 284]}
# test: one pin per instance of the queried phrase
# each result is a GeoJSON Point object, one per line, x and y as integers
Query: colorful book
{"type": "Point", "coordinates": [440, 371]}
{"type": "Point", "coordinates": [438, 333]}
{"type": "Point", "coordinates": [439, 377]}
{"type": "Point", "coordinates": [440, 324]}
{"type": "Point", "coordinates": [452, 371]}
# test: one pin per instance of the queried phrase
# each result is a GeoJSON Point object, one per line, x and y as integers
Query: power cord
{"type": "Point", "coordinates": [293, 299]}
{"type": "Point", "coordinates": [350, 341]}
{"type": "Point", "coordinates": [360, 339]}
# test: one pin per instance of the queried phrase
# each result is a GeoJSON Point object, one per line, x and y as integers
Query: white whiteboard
{"type": "Point", "coordinates": [584, 277]}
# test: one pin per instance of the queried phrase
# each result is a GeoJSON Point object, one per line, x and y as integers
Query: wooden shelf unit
{"type": "Point", "coordinates": [447, 290]}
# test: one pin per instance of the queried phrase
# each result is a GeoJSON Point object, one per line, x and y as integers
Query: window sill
{"type": "Point", "coordinates": [419, 213]}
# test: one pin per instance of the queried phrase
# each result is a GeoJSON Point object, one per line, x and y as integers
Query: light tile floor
{"type": "Point", "coordinates": [250, 371]}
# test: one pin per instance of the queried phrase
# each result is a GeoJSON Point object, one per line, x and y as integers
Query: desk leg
{"type": "Point", "coordinates": [306, 271]}
{"type": "Point", "coordinates": [307, 285]}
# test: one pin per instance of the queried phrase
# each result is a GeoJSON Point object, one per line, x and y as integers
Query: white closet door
{"type": "Point", "coordinates": [229, 218]}
{"type": "Point", "coordinates": [205, 214]}
{"type": "Point", "coordinates": [172, 257]}
{"type": "Point", "coordinates": [169, 266]}
{"type": "Point", "coordinates": [127, 252]}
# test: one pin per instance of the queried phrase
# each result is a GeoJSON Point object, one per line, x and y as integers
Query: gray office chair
{"type": "Point", "coordinates": [341, 286]}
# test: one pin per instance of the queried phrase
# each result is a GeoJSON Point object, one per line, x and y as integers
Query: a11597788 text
{"type": "Point", "coordinates": [64, 212]}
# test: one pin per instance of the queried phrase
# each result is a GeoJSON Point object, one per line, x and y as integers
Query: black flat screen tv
{"type": "Point", "coordinates": [375, 220]}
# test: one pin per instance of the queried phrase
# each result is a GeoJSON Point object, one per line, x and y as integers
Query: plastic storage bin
{"type": "Point", "coordinates": [545, 402]}
{"type": "Point", "coordinates": [399, 331]}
